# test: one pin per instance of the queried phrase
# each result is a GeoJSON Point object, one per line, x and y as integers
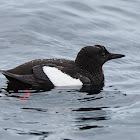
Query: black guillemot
{"type": "Point", "coordinates": [50, 73]}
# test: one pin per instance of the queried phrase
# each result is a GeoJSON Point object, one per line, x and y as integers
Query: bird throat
{"type": "Point", "coordinates": [93, 68]}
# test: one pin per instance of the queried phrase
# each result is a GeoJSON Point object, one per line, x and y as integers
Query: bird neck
{"type": "Point", "coordinates": [92, 67]}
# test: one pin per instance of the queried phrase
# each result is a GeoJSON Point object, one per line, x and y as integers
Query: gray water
{"type": "Point", "coordinates": [32, 29]}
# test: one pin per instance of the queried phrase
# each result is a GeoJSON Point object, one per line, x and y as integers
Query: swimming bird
{"type": "Point", "coordinates": [50, 73]}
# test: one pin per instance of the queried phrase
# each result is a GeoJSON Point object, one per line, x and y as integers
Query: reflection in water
{"type": "Point", "coordinates": [36, 133]}
{"type": "Point", "coordinates": [36, 109]}
{"type": "Point", "coordinates": [93, 118]}
{"type": "Point", "coordinates": [89, 109]}
{"type": "Point", "coordinates": [90, 115]}
{"type": "Point", "coordinates": [17, 86]}
{"type": "Point", "coordinates": [89, 127]}
{"type": "Point", "coordinates": [25, 96]}
{"type": "Point", "coordinates": [89, 99]}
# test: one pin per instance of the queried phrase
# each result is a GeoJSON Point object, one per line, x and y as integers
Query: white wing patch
{"type": "Point", "coordinates": [58, 78]}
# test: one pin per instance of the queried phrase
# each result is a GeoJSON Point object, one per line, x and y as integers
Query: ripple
{"type": "Point", "coordinates": [89, 127]}
{"type": "Point", "coordinates": [33, 132]}
{"type": "Point", "coordinates": [59, 29]}
{"type": "Point", "coordinates": [36, 109]}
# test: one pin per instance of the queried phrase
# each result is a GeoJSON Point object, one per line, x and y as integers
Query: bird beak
{"type": "Point", "coordinates": [115, 56]}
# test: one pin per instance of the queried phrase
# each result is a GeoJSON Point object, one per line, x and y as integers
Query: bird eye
{"type": "Point", "coordinates": [103, 54]}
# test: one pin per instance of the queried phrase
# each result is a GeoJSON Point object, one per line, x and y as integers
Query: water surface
{"type": "Point", "coordinates": [59, 29]}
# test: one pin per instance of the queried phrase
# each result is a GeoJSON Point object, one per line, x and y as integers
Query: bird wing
{"type": "Point", "coordinates": [42, 79]}
{"type": "Point", "coordinates": [39, 79]}
{"type": "Point", "coordinates": [28, 79]}
{"type": "Point", "coordinates": [72, 72]}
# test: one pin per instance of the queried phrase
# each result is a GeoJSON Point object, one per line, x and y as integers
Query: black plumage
{"type": "Point", "coordinates": [87, 67]}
